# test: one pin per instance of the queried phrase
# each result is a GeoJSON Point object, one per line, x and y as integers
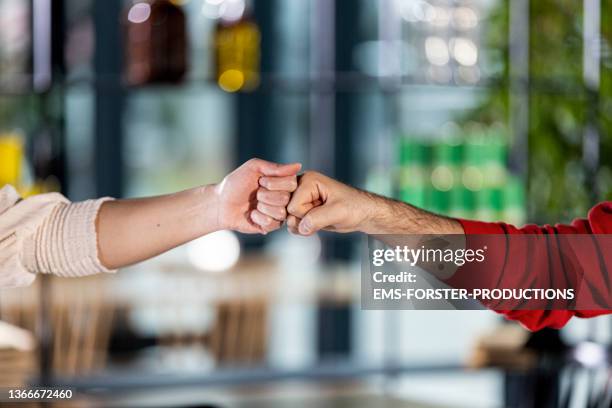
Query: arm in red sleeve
{"type": "Point", "coordinates": [544, 263]}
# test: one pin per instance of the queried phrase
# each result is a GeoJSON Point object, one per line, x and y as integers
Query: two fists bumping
{"type": "Point", "coordinates": [259, 196]}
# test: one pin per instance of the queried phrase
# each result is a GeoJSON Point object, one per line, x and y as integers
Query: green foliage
{"type": "Point", "coordinates": [559, 108]}
{"type": "Point", "coordinates": [557, 112]}
{"type": "Point", "coordinates": [604, 178]}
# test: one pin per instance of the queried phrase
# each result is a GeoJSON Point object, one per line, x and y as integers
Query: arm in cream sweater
{"type": "Point", "coordinates": [48, 234]}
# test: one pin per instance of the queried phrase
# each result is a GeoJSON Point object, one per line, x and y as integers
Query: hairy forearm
{"type": "Point", "coordinates": [397, 223]}
{"type": "Point", "coordinates": [388, 216]}
{"type": "Point", "coordinates": [130, 231]}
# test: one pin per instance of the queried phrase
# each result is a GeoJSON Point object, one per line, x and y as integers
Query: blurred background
{"type": "Point", "coordinates": [486, 109]}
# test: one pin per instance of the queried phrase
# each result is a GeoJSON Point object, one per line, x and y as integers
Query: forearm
{"type": "Point", "coordinates": [130, 231]}
{"type": "Point", "coordinates": [388, 216]}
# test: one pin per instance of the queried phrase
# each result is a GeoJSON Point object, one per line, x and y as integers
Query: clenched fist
{"type": "Point", "coordinates": [322, 203]}
{"type": "Point", "coordinates": [253, 198]}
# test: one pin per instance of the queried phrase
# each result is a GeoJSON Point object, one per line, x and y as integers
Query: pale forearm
{"type": "Point", "coordinates": [130, 231]}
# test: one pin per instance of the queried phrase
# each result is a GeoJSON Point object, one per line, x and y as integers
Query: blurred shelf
{"type": "Point", "coordinates": [338, 82]}
{"type": "Point", "coordinates": [331, 371]}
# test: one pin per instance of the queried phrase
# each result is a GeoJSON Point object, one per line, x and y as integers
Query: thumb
{"type": "Point", "coordinates": [317, 219]}
{"type": "Point", "coordinates": [278, 170]}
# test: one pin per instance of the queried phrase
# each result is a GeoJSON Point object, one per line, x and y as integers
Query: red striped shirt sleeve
{"type": "Point", "coordinates": [542, 261]}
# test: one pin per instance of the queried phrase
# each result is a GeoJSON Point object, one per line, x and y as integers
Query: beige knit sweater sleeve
{"type": "Point", "coordinates": [46, 234]}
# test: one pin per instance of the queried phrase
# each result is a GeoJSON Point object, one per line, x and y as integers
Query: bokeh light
{"type": "Point", "coordinates": [231, 80]}
{"type": "Point", "coordinates": [436, 51]}
{"type": "Point", "coordinates": [215, 252]}
{"type": "Point", "coordinates": [139, 13]}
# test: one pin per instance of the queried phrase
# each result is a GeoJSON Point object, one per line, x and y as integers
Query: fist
{"type": "Point", "coordinates": [322, 203]}
{"type": "Point", "coordinates": [253, 198]}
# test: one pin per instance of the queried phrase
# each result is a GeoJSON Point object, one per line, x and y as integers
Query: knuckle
{"type": "Point", "coordinates": [293, 208]}
{"type": "Point", "coordinates": [278, 198]}
{"type": "Point", "coordinates": [282, 201]}
{"type": "Point", "coordinates": [310, 175]}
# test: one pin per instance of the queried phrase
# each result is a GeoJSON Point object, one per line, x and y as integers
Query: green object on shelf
{"type": "Point", "coordinates": [475, 152]}
{"type": "Point", "coordinates": [491, 198]}
{"type": "Point", "coordinates": [447, 158]}
{"type": "Point", "coordinates": [414, 151]}
{"type": "Point", "coordinates": [463, 202]}
{"type": "Point", "coordinates": [449, 152]}
{"type": "Point", "coordinates": [496, 151]}
{"type": "Point", "coordinates": [495, 168]}
{"type": "Point", "coordinates": [415, 195]}
{"type": "Point", "coordinates": [443, 177]}
{"type": "Point", "coordinates": [490, 204]}
{"type": "Point", "coordinates": [473, 178]}
{"type": "Point", "coordinates": [411, 176]}
{"type": "Point", "coordinates": [413, 171]}
{"type": "Point", "coordinates": [514, 193]}
{"type": "Point", "coordinates": [514, 201]}
{"type": "Point", "coordinates": [439, 201]}
{"type": "Point", "coordinates": [497, 199]}
{"type": "Point", "coordinates": [485, 161]}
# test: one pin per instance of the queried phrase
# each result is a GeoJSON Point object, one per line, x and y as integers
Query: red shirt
{"type": "Point", "coordinates": [599, 221]}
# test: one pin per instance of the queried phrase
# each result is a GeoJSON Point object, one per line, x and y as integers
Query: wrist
{"type": "Point", "coordinates": [210, 201]}
{"type": "Point", "coordinates": [368, 210]}
{"type": "Point", "coordinates": [387, 216]}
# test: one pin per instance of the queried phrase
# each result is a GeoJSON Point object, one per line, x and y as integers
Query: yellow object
{"type": "Point", "coordinates": [237, 54]}
{"type": "Point", "coordinates": [11, 158]}
{"type": "Point", "coordinates": [231, 80]}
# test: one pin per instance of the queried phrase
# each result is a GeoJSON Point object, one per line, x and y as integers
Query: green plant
{"type": "Point", "coordinates": [559, 107]}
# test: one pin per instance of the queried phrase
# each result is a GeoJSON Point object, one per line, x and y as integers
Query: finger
{"type": "Point", "coordinates": [277, 198]}
{"type": "Point", "coordinates": [265, 222]}
{"type": "Point", "coordinates": [253, 229]}
{"type": "Point", "coordinates": [292, 224]}
{"type": "Point", "coordinates": [288, 183]}
{"type": "Point", "coordinates": [278, 213]}
{"type": "Point", "coordinates": [302, 199]}
{"type": "Point", "coordinates": [275, 169]}
{"type": "Point", "coordinates": [318, 218]}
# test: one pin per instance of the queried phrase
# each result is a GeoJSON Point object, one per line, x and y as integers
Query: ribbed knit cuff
{"type": "Point", "coordinates": [66, 243]}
